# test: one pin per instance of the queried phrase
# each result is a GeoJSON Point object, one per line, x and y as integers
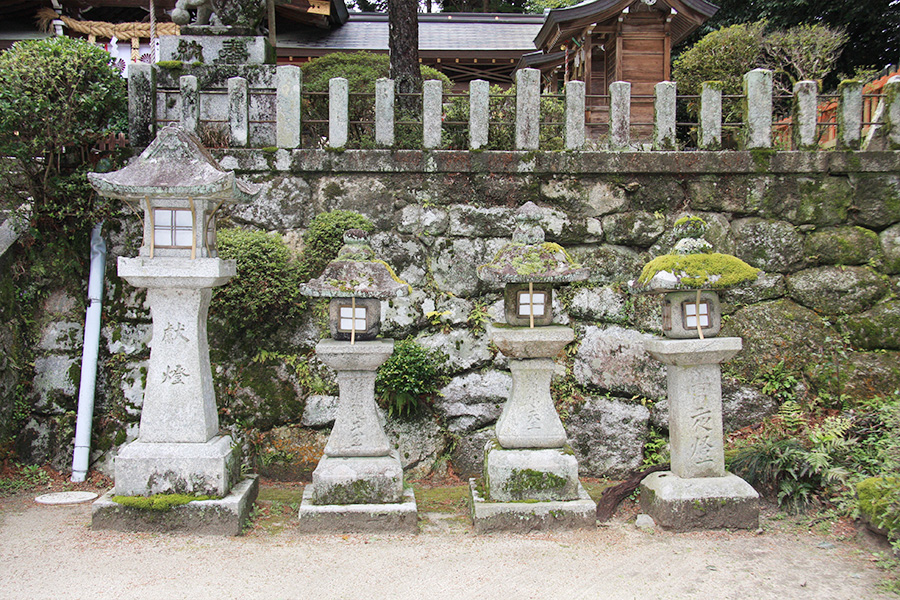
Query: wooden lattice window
{"type": "Point", "coordinates": [172, 228]}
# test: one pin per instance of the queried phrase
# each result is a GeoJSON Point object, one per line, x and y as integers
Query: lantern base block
{"type": "Point", "coordinates": [398, 517]}
{"type": "Point", "coordinates": [519, 475]}
{"type": "Point", "coordinates": [522, 517]}
{"type": "Point", "coordinates": [684, 504]}
{"type": "Point", "coordinates": [358, 480]}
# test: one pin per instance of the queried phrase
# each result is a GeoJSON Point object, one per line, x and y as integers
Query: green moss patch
{"type": "Point", "coordinates": [443, 499]}
{"type": "Point", "coordinates": [158, 502]}
{"type": "Point", "coordinates": [879, 501]}
{"type": "Point", "coordinates": [712, 270]}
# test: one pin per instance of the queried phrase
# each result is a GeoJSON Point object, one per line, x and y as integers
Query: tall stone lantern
{"type": "Point", "coordinates": [697, 493]}
{"type": "Point", "coordinates": [358, 483]}
{"type": "Point", "coordinates": [530, 474]}
{"type": "Point", "coordinates": [177, 187]}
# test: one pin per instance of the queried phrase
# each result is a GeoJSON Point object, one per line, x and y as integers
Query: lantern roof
{"type": "Point", "coordinates": [356, 273]}
{"type": "Point", "coordinates": [691, 264]}
{"type": "Point", "coordinates": [529, 258]}
{"type": "Point", "coordinates": [174, 165]}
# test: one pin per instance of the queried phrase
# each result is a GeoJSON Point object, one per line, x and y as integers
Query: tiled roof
{"type": "Point", "coordinates": [446, 31]}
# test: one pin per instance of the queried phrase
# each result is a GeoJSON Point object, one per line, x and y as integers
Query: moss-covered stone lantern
{"type": "Point", "coordinates": [356, 282]}
{"type": "Point", "coordinates": [689, 278]}
{"type": "Point", "coordinates": [529, 267]}
{"type": "Point", "coordinates": [528, 469]}
{"type": "Point", "coordinates": [358, 483]}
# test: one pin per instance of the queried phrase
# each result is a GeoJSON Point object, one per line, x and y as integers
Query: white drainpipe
{"type": "Point", "coordinates": [82, 454]}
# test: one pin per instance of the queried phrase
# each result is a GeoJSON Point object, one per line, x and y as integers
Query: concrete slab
{"type": "Point", "coordinates": [401, 517]}
{"type": "Point", "coordinates": [65, 498]}
{"type": "Point", "coordinates": [206, 517]}
{"type": "Point", "coordinates": [681, 504]}
{"type": "Point", "coordinates": [523, 517]}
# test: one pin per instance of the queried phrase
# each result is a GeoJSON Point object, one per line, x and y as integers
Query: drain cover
{"type": "Point", "coordinates": [65, 497]}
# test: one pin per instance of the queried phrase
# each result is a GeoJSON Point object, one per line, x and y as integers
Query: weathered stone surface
{"type": "Point", "coordinates": [319, 411]}
{"type": "Point", "coordinates": [454, 261]}
{"type": "Point", "coordinates": [739, 194]}
{"type": "Point", "coordinates": [613, 359]}
{"type": "Point", "coordinates": [876, 203]}
{"type": "Point", "coordinates": [357, 480]}
{"type": "Point", "coordinates": [637, 228]}
{"type": "Point", "coordinates": [606, 304]}
{"type": "Point", "coordinates": [775, 331]}
{"type": "Point", "coordinates": [524, 517]}
{"type": "Point", "coordinates": [423, 221]}
{"type": "Point", "coordinates": [604, 198]}
{"type": "Point", "coordinates": [815, 201]}
{"type": "Point", "coordinates": [529, 419]}
{"type": "Point", "coordinates": [399, 517]}
{"type": "Point", "coordinates": [369, 196]}
{"type": "Point", "coordinates": [718, 233]}
{"type": "Point", "coordinates": [700, 503]}
{"type": "Point", "coordinates": [405, 255]}
{"type": "Point", "coordinates": [890, 245]}
{"type": "Point", "coordinates": [877, 328]}
{"type": "Point", "coordinates": [836, 290]}
{"type": "Point", "coordinates": [401, 316]}
{"type": "Point", "coordinates": [608, 263]}
{"type": "Point", "coordinates": [290, 452]}
{"type": "Point", "coordinates": [473, 221]}
{"type": "Point", "coordinates": [766, 286]}
{"type": "Point", "coordinates": [757, 131]}
{"type": "Point", "coordinates": [262, 394]}
{"type": "Point", "coordinates": [608, 436]}
{"type": "Point", "coordinates": [55, 383]}
{"type": "Point", "coordinates": [471, 401]}
{"type": "Point", "coordinates": [127, 338]}
{"type": "Point", "coordinates": [842, 246]}
{"type": "Point", "coordinates": [769, 245]}
{"type": "Point", "coordinates": [419, 442]}
{"type": "Point", "coordinates": [468, 453]}
{"type": "Point", "coordinates": [284, 203]}
{"type": "Point", "coordinates": [465, 350]}
{"type": "Point", "coordinates": [61, 336]}
{"type": "Point", "coordinates": [860, 376]}
{"type": "Point", "coordinates": [744, 405]}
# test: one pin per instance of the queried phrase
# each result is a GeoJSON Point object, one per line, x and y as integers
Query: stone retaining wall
{"type": "Point", "coordinates": [823, 226]}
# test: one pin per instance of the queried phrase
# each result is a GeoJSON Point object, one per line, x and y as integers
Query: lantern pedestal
{"type": "Point", "coordinates": [179, 448]}
{"type": "Point", "coordinates": [697, 493]}
{"type": "Point", "coordinates": [358, 484]}
{"type": "Point", "coordinates": [530, 475]}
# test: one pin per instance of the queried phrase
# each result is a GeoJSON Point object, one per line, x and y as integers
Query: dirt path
{"type": "Point", "coordinates": [50, 552]}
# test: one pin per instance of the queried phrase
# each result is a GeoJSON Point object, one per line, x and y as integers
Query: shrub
{"type": "Point", "coordinates": [58, 96]}
{"type": "Point", "coordinates": [409, 378]}
{"type": "Point", "coordinates": [502, 128]}
{"type": "Point", "coordinates": [325, 236]}
{"type": "Point", "coordinates": [361, 70]}
{"type": "Point", "coordinates": [266, 286]}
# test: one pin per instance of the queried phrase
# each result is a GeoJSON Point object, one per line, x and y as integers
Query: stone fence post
{"type": "Point", "coordinates": [141, 104]}
{"type": "Point", "coordinates": [575, 105]}
{"type": "Point", "coordinates": [432, 108]}
{"type": "Point", "coordinates": [711, 115]}
{"type": "Point", "coordinates": [384, 112]}
{"type": "Point", "coordinates": [528, 109]}
{"type": "Point", "coordinates": [479, 113]}
{"type": "Point", "coordinates": [289, 80]}
{"type": "Point", "coordinates": [806, 113]}
{"type": "Point", "coordinates": [239, 111]}
{"type": "Point", "coordinates": [190, 103]}
{"type": "Point", "coordinates": [758, 109]}
{"type": "Point", "coordinates": [849, 120]}
{"type": "Point", "coordinates": [664, 121]}
{"type": "Point", "coordinates": [619, 114]}
{"type": "Point", "coordinates": [338, 112]}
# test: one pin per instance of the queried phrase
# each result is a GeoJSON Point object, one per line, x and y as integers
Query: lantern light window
{"type": "Point", "coordinates": [692, 311]}
{"type": "Point", "coordinates": [352, 318]}
{"type": "Point", "coordinates": [172, 227]}
{"type": "Point", "coordinates": [533, 303]}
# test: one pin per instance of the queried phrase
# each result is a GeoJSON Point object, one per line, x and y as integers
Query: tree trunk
{"type": "Point", "coordinates": [613, 496]}
{"type": "Point", "coordinates": [404, 48]}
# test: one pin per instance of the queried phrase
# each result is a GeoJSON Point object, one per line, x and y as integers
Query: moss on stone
{"type": "Point", "coordinates": [701, 270]}
{"type": "Point", "coordinates": [158, 502]}
{"type": "Point", "coordinates": [879, 502]}
{"type": "Point", "coordinates": [523, 482]}
{"type": "Point", "coordinates": [172, 65]}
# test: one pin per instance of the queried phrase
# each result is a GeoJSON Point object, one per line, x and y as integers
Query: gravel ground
{"type": "Point", "coordinates": [51, 552]}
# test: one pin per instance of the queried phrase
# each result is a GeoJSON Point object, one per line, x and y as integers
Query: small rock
{"type": "Point", "coordinates": [645, 522]}
{"type": "Point", "coordinates": [825, 545]}
{"type": "Point", "coordinates": [319, 411]}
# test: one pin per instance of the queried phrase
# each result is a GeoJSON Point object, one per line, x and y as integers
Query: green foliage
{"type": "Point", "coordinates": [805, 52]}
{"type": "Point", "coordinates": [58, 96]}
{"type": "Point", "coordinates": [265, 290]}
{"type": "Point", "coordinates": [325, 236]}
{"type": "Point", "coordinates": [361, 70]}
{"type": "Point", "coordinates": [502, 118]}
{"type": "Point", "coordinates": [779, 382]}
{"type": "Point", "coordinates": [539, 6]}
{"type": "Point", "coordinates": [410, 377]}
{"type": "Point", "coordinates": [879, 501]}
{"type": "Point", "coordinates": [656, 449]}
{"type": "Point", "coordinates": [157, 502]}
{"type": "Point", "coordinates": [23, 477]}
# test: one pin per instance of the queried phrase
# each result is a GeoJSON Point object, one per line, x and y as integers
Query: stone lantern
{"type": "Point", "coordinates": [177, 186]}
{"type": "Point", "coordinates": [531, 476]}
{"type": "Point", "coordinates": [697, 493]}
{"type": "Point", "coordinates": [358, 483]}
